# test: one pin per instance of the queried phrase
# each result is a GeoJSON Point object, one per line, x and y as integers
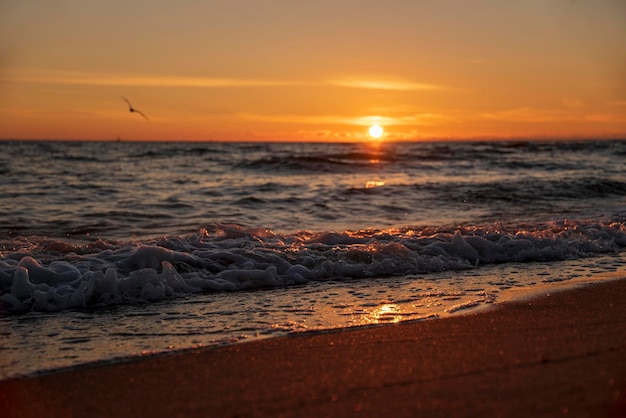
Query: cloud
{"type": "Point", "coordinates": [83, 78]}
{"type": "Point", "coordinates": [382, 83]}
{"type": "Point", "coordinates": [606, 117]}
{"type": "Point", "coordinates": [419, 119]}
{"type": "Point", "coordinates": [525, 114]}
{"type": "Point", "coordinates": [572, 102]}
{"type": "Point", "coordinates": [530, 115]}
{"type": "Point", "coordinates": [105, 79]}
{"type": "Point", "coordinates": [298, 119]}
{"type": "Point", "coordinates": [422, 119]}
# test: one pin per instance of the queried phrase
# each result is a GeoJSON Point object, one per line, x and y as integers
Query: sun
{"type": "Point", "coordinates": [376, 131]}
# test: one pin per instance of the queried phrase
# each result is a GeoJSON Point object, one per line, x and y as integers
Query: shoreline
{"type": "Point", "coordinates": [560, 353]}
{"type": "Point", "coordinates": [510, 295]}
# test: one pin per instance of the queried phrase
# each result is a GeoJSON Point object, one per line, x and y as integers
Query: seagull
{"type": "Point", "coordinates": [132, 109]}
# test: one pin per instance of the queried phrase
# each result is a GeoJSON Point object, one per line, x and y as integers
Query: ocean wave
{"type": "Point", "coordinates": [40, 274]}
{"type": "Point", "coordinates": [328, 163]}
{"type": "Point", "coordinates": [534, 190]}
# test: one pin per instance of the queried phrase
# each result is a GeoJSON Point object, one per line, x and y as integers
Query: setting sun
{"type": "Point", "coordinates": [376, 131]}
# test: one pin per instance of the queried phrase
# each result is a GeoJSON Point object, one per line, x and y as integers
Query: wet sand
{"type": "Point", "coordinates": [562, 354]}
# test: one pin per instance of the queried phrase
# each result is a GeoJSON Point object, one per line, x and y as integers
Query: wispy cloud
{"type": "Point", "coordinates": [572, 102]}
{"type": "Point", "coordinates": [525, 114]}
{"type": "Point", "coordinates": [406, 120]}
{"type": "Point", "coordinates": [382, 83]}
{"type": "Point", "coordinates": [82, 78]}
{"type": "Point", "coordinates": [532, 115]}
{"type": "Point", "coordinates": [606, 117]}
{"type": "Point", "coordinates": [105, 79]}
{"type": "Point", "coordinates": [421, 119]}
{"type": "Point", "coordinates": [297, 119]}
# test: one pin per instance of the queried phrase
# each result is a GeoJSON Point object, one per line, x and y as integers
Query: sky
{"type": "Point", "coordinates": [323, 70]}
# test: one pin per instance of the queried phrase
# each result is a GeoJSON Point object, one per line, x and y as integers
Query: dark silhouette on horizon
{"type": "Point", "coordinates": [132, 109]}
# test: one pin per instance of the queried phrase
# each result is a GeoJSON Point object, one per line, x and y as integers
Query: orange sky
{"type": "Point", "coordinates": [312, 70]}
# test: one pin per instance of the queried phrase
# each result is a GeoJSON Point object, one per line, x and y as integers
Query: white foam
{"type": "Point", "coordinates": [237, 259]}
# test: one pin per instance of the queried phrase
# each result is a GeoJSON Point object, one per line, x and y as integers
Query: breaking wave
{"type": "Point", "coordinates": [38, 274]}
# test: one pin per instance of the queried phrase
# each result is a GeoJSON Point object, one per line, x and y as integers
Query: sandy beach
{"type": "Point", "coordinates": [559, 354]}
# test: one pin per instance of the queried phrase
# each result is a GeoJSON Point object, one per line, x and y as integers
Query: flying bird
{"type": "Point", "coordinates": [132, 109]}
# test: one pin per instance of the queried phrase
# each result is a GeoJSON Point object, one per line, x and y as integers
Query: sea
{"type": "Point", "coordinates": [110, 251]}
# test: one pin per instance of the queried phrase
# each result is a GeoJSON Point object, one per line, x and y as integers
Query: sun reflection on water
{"type": "Point", "coordinates": [374, 183]}
{"type": "Point", "coordinates": [387, 313]}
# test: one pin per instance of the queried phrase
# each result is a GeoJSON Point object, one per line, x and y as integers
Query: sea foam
{"type": "Point", "coordinates": [235, 258]}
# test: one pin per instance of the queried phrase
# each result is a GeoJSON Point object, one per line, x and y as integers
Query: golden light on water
{"type": "Point", "coordinates": [386, 313]}
{"type": "Point", "coordinates": [374, 183]}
